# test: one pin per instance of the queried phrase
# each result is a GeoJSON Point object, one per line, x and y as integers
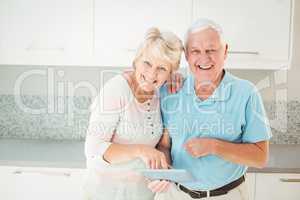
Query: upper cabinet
{"type": "Point", "coordinates": [56, 32]}
{"type": "Point", "coordinates": [108, 33]}
{"type": "Point", "coordinates": [120, 26]}
{"type": "Point", "coordinates": [258, 32]}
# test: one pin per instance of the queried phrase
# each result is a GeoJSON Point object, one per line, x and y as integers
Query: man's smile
{"type": "Point", "coordinates": [204, 67]}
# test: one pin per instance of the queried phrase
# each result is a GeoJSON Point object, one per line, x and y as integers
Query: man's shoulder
{"type": "Point", "coordinates": [240, 84]}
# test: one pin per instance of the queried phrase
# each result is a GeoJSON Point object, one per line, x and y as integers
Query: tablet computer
{"type": "Point", "coordinates": [175, 175]}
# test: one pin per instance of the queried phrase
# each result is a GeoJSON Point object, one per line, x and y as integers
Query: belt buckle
{"type": "Point", "coordinates": [198, 193]}
{"type": "Point", "coordinates": [207, 193]}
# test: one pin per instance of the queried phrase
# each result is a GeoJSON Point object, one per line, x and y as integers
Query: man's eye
{"type": "Point", "coordinates": [162, 69]}
{"type": "Point", "coordinates": [210, 51]}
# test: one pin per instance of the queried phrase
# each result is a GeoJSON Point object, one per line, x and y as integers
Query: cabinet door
{"type": "Point", "coordinates": [121, 25]}
{"type": "Point", "coordinates": [41, 183]}
{"type": "Point", "coordinates": [7, 183]}
{"type": "Point", "coordinates": [250, 181]}
{"type": "Point", "coordinates": [34, 32]}
{"type": "Point", "coordinates": [258, 32]}
{"type": "Point", "coordinates": [277, 186]}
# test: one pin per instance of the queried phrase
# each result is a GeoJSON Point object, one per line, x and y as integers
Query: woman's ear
{"type": "Point", "coordinates": [185, 53]}
{"type": "Point", "coordinates": [133, 65]}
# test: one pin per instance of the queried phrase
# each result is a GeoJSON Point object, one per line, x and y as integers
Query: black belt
{"type": "Point", "coordinates": [197, 194]}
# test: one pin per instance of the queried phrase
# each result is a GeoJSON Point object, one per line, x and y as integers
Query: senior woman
{"type": "Point", "coordinates": [125, 123]}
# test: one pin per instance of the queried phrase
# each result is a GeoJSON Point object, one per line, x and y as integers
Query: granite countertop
{"type": "Point", "coordinates": [70, 154]}
{"type": "Point", "coordinates": [42, 153]}
{"type": "Point", "coordinates": [284, 158]}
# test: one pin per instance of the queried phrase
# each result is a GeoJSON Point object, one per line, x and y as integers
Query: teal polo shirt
{"type": "Point", "coordinates": [234, 113]}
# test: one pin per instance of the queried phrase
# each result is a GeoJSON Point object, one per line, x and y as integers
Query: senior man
{"type": "Point", "coordinates": [215, 126]}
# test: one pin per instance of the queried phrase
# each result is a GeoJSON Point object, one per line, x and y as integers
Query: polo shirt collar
{"type": "Point", "coordinates": [221, 93]}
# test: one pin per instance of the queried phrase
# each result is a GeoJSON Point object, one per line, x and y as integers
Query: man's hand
{"type": "Point", "coordinates": [175, 82]}
{"type": "Point", "coordinates": [198, 147]}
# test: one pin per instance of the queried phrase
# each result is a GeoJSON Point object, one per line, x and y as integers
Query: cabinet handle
{"type": "Point", "coordinates": [61, 49]}
{"type": "Point", "coordinates": [290, 180]}
{"type": "Point", "coordinates": [131, 50]}
{"type": "Point", "coordinates": [49, 173]}
{"type": "Point", "coordinates": [244, 52]}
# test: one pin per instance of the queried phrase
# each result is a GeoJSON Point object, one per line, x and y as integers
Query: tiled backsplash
{"type": "Point", "coordinates": [66, 118]}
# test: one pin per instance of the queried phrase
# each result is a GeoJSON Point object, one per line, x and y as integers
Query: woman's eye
{"type": "Point", "coordinates": [195, 51]}
{"type": "Point", "coordinates": [147, 63]}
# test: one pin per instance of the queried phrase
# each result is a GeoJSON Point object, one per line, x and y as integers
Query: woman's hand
{"type": "Point", "coordinates": [153, 158]}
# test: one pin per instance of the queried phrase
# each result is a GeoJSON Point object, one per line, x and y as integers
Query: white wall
{"type": "Point", "coordinates": [294, 72]}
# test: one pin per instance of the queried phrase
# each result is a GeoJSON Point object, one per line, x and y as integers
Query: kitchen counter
{"type": "Point", "coordinates": [284, 158]}
{"type": "Point", "coordinates": [70, 154]}
{"type": "Point", "coordinates": [42, 153]}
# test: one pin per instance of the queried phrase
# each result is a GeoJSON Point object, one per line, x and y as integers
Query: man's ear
{"type": "Point", "coordinates": [226, 51]}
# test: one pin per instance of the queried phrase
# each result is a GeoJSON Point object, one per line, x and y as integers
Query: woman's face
{"type": "Point", "coordinates": [151, 73]}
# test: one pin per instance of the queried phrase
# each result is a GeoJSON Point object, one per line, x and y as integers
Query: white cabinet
{"type": "Point", "coordinates": [250, 182]}
{"type": "Point", "coordinates": [56, 32]}
{"type": "Point", "coordinates": [107, 33]}
{"type": "Point", "coordinates": [277, 186]}
{"type": "Point", "coordinates": [7, 183]}
{"type": "Point", "coordinates": [258, 32]}
{"type": "Point", "coordinates": [30, 183]}
{"type": "Point", "coordinates": [121, 25]}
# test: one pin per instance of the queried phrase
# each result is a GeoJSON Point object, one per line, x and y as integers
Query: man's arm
{"type": "Point", "coordinates": [250, 154]}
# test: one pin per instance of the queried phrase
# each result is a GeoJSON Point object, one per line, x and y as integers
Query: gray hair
{"type": "Point", "coordinates": [200, 25]}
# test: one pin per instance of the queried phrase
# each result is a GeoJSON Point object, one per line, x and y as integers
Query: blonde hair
{"type": "Point", "coordinates": [161, 45]}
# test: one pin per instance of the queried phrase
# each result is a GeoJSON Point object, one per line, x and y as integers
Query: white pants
{"type": "Point", "coordinates": [174, 193]}
{"type": "Point", "coordinates": [123, 185]}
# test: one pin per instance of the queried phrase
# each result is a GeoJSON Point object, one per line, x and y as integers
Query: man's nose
{"type": "Point", "coordinates": [204, 57]}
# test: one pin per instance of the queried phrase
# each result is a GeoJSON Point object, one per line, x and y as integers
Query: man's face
{"type": "Point", "coordinates": [206, 54]}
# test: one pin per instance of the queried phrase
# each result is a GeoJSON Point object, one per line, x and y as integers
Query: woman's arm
{"type": "Point", "coordinates": [164, 146]}
{"type": "Point", "coordinates": [117, 153]}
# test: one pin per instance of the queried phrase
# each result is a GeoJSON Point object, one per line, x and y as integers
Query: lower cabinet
{"type": "Point", "coordinates": [274, 186]}
{"type": "Point", "coordinates": [37, 183]}
{"type": "Point", "coordinates": [250, 182]}
{"type": "Point", "coordinates": [29, 183]}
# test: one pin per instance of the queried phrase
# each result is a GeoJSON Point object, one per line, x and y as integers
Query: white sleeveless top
{"type": "Point", "coordinates": [117, 117]}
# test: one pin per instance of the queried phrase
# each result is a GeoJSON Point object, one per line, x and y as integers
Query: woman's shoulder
{"type": "Point", "coordinates": [116, 86]}
{"type": "Point", "coordinates": [113, 94]}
